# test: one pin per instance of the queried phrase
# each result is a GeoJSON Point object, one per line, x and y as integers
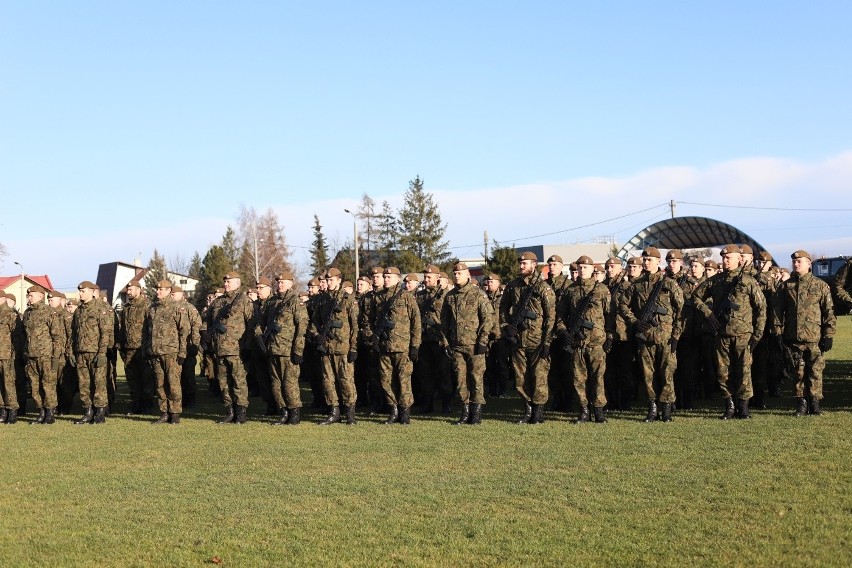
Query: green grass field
{"type": "Point", "coordinates": [771, 491]}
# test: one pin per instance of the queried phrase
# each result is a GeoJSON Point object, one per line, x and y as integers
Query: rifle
{"type": "Point", "coordinates": [652, 308]}
{"type": "Point", "coordinates": [793, 360]}
{"type": "Point", "coordinates": [428, 309]}
{"type": "Point", "coordinates": [383, 323]}
{"type": "Point", "coordinates": [722, 312]}
{"type": "Point", "coordinates": [521, 314]}
{"type": "Point", "coordinates": [577, 323]}
{"type": "Point", "coordinates": [330, 323]}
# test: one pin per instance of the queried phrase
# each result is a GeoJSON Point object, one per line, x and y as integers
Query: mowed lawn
{"type": "Point", "coordinates": [775, 490]}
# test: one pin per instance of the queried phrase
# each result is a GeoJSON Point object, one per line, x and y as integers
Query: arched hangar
{"type": "Point", "coordinates": [686, 233]}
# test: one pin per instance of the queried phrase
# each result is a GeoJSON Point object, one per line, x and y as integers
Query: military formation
{"type": "Point", "coordinates": [598, 339]}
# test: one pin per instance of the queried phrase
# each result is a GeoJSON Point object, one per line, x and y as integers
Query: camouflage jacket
{"type": "Point", "coordinates": [467, 317]}
{"type": "Point", "coordinates": [748, 313]}
{"type": "Point", "coordinates": [166, 328]}
{"type": "Point", "coordinates": [537, 325]}
{"type": "Point", "coordinates": [230, 323]}
{"type": "Point", "coordinates": [92, 328]}
{"type": "Point", "coordinates": [195, 322]}
{"type": "Point", "coordinates": [769, 286]}
{"type": "Point", "coordinates": [494, 298]}
{"type": "Point", "coordinates": [397, 323]}
{"type": "Point", "coordinates": [430, 301]}
{"type": "Point", "coordinates": [804, 310]}
{"type": "Point", "coordinates": [131, 320]}
{"type": "Point", "coordinates": [286, 324]}
{"type": "Point", "coordinates": [560, 284]}
{"type": "Point", "coordinates": [616, 289]}
{"type": "Point", "coordinates": [11, 333]}
{"type": "Point", "coordinates": [598, 313]}
{"type": "Point", "coordinates": [334, 322]}
{"type": "Point", "coordinates": [65, 318]}
{"type": "Point", "coordinates": [843, 284]}
{"type": "Point", "coordinates": [692, 318]}
{"type": "Point", "coordinates": [44, 332]}
{"type": "Point", "coordinates": [632, 304]}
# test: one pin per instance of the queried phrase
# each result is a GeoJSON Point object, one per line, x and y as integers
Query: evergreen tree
{"type": "Point", "coordinates": [503, 262]}
{"type": "Point", "coordinates": [319, 249]}
{"type": "Point", "coordinates": [387, 237]}
{"type": "Point", "coordinates": [156, 271]}
{"type": "Point", "coordinates": [230, 248]}
{"type": "Point", "coordinates": [213, 269]}
{"type": "Point", "coordinates": [420, 228]}
{"type": "Point", "coordinates": [195, 266]}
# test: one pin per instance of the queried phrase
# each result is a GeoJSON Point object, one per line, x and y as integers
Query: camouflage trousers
{"type": "Point", "coordinates": [766, 367]}
{"type": "Point", "coordinates": [658, 365]}
{"type": "Point", "coordinates": [688, 370]}
{"type": "Point", "coordinates": [531, 370]}
{"type": "Point", "coordinates": [167, 375]}
{"type": "Point", "coordinates": [589, 368]}
{"type": "Point", "coordinates": [284, 378]}
{"type": "Point", "coordinates": [231, 372]}
{"type": "Point", "coordinates": [42, 376]}
{"type": "Point", "coordinates": [338, 380]}
{"type": "Point", "coordinates": [497, 367]}
{"type": "Point", "coordinates": [260, 364]}
{"type": "Point", "coordinates": [469, 372]}
{"type": "Point", "coordinates": [432, 373]}
{"type": "Point", "coordinates": [187, 379]}
{"type": "Point", "coordinates": [8, 390]}
{"type": "Point", "coordinates": [395, 372]}
{"type": "Point", "coordinates": [619, 376]}
{"type": "Point", "coordinates": [811, 364]}
{"type": "Point", "coordinates": [733, 366]}
{"type": "Point", "coordinates": [92, 380]}
{"type": "Point", "coordinates": [140, 380]}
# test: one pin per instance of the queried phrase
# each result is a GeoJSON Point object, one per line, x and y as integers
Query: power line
{"type": "Point", "coordinates": [762, 208]}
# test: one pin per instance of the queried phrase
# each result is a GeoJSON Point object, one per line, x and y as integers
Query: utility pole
{"type": "Point", "coordinates": [673, 207]}
{"type": "Point", "coordinates": [355, 242]}
{"type": "Point", "coordinates": [485, 242]}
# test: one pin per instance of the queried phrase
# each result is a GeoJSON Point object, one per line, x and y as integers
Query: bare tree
{"type": "Point", "coordinates": [262, 247]}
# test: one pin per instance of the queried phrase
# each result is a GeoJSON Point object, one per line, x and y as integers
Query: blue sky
{"type": "Point", "coordinates": [130, 126]}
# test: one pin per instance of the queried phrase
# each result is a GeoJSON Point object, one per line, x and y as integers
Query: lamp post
{"type": "Point", "coordinates": [21, 297]}
{"type": "Point", "coordinates": [355, 240]}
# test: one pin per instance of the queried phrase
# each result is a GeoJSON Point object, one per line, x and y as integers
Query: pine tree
{"type": "Point", "coordinates": [156, 271]}
{"type": "Point", "coordinates": [503, 262]}
{"type": "Point", "coordinates": [421, 230]}
{"type": "Point", "coordinates": [213, 269]}
{"type": "Point", "coordinates": [319, 249]}
{"type": "Point", "coordinates": [230, 248]}
{"type": "Point", "coordinates": [195, 266]}
{"type": "Point", "coordinates": [387, 237]}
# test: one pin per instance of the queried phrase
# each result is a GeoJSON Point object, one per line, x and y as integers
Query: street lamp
{"type": "Point", "coordinates": [355, 239]}
{"type": "Point", "coordinates": [21, 297]}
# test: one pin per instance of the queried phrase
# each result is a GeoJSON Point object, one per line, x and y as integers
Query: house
{"type": "Point", "coordinates": [17, 286]}
{"type": "Point", "coordinates": [114, 276]}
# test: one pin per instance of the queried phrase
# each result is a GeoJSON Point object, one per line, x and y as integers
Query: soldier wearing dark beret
{"type": "Point", "coordinates": [432, 374]}
{"type": "Point", "coordinates": [165, 336]}
{"type": "Point", "coordinates": [92, 332]}
{"type": "Point", "coordinates": [558, 376]}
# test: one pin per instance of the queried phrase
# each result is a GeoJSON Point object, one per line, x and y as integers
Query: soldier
{"type": "Point", "coordinates": [56, 301]}
{"type": "Point", "coordinates": [747, 259]}
{"type": "Point", "coordinates": [311, 369]}
{"type": "Point", "coordinates": [137, 370]}
{"type": "Point", "coordinates": [44, 344]}
{"type": "Point", "coordinates": [467, 320]}
{"type": "Point", "coordinates": [70, 379]}
{"type": "Point", "coordinates": [619, 377]}
{"type": "Point", "coordinates": [843, 286]}
{"type": "Point", "coordinates": [711, 268]}
{"type": "Point", "coordinates": [689, 345]}
{"type": "Point", "coordinates": [208, 365]}
{"type": "Point", "coordinates": [111, 352]}
{"type": "Point", "coordinates": [412, 282]}
{"type": "Point", "coordinates": [803, 321]}
{"type": "Point", "coordinates": [334, 327]}
{"type": "Point", "coordinates": [259, 359]}
{"type": "Point", "coordinates": [652, 306]}
{"type": "Point", "coordinates": [560, 364]}
{"type": "Point", "coordinates": [497, 360]}
{"type": "Point", "coordinates": [735, 311]}
{"type": "Point", "coordinates": [397, 330]}
{"type": "Point", "coordinates": [11, 333]}
{"type": "Point", "coordinates": [165, 337]}
{"type": "Point", "coordinates": [232, 315]}
{"type": "Point", "coordinates": [586, 322]}
{"type": "Point", "coordinates": [92, 332]}
{"type": "Point", "coordinates": [765, 373]}
{"type": "Point", "coordinates": [284, 330]}
{"type": "Point", "coordinates": [369, 310]}
{"type": "Point", "coordinates": [362, 363]}
{"type": "Point", "coordinates": [193, 341]}
{"type": "Point", "coordinates": [431, 372]}
{"type": "Point", "coordinates": [527, 319]}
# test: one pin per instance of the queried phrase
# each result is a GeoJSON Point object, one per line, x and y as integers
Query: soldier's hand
{"type": "Point", "coordinates": [100, 361]}
{"type": "Point", "coordinates": [511, 331]}
{"type": "Point", "coordinates": [607, 346]}
{"type": "Point", "coordinates": [296, 359]}
{"type": "Point", "coordinates": [714, 323]}
{"type": "Point", "coordinates": [448, 351]}
{"type": "Point", "coordinates": [673, 344]}
{"type": "Point", "coordinates": [353, 355]}
{"type": "Point", "coordinates": [180, 360]}
{"type": "Point", "coordinates": [480, 349]}
{"type": "Point", "coordinates": [413, 354]}
{"type": "Point", "coordinates": [825, 344]}
{"type": "Point", "coordinates": [192, 351]}
{"type": "Point", "coordinates": [642, 326]}
{"type": "Point", "coordinates": [71, 360]}
{"type": "Point", "coordinates": [752, 343]}
{"type": "Point", "coordinates": [545, 351]}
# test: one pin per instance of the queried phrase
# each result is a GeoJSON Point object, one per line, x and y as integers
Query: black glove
{"type": "Point", "coordinates": [352, 356]}
{"type": "Point", "coordinates": [180, 360]}
{"type": "Point", "coordinates": [192, 351]}
{"type": "Point", "coordinates": [825, 344]}
{"type": "Point", "coordinates": [510, 331]}
{"type": "Point", "coordinates": [413, 354]}
{"type": "Point", "coordinates": [480, 349]}
{"type": "Point", "coordinates": [100, 361]}
{"type": "Point", "coordinates": [71, 360]}
{"type": "Point", "coordinates": [752, 343]}
{"type": "Point", "coordinates": [448, 351]}
{"type": "Point", "coordinates": [714, 323]}
{"type": "Point", "coordinates": [607, 346]}
{"type": "Point", "coordinates": [296, 359]}
{"type": "Point", "coordinates": [673, 344]}
{"type": "Point", "coordinates": [545, 351]}
{"type": "Point", "coordinates": [642, 326]}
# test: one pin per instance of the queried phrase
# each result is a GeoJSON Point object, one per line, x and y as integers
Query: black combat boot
{"type": "Point", "coordinates": [667, 411]}
{"type": "Point", "coordinates": [350, 416]}
{"type": "Point", "coordinates": [729, 409]}
{"type": "Point", "coordinates": [240, 417]}
{"type": "Point", "coordinates": [87, 416]}
{"type": "Point", "coordinates": [11, 416]}
{"type": "Point", "coordinates": [100, 415]}
{"type": "Point", "coordinates": [333, 416]}
{"type": "Point", "coordinates": [652, 412]}
{"type": "Point", "coordinates": [49, 416]}
{"type": "Point", "coordinates": [3, 413]}
{"type": "Point", "coordinates": [229, 415]}
{"type": "Point", "coordinates": [405, 416]}
{"type": "Point", "coordinates": [394, 415]}
{"type": "Point", "coordinates": [743, 413]}
{"type": "Point", "coordinates": [525, 419]}
{"type": "Point", "coordinates": [465, 415]}
{"type": "Point", "coordinates": [537, 414]}
{"type": "Point", "coordinates": [475, 414]}
{"type": "Point", "coordinates": [174, 418]}
{"type": "Point", "coordinates": [584, 414]}
{"type": "Point", "coordinates": [283, 417]}
{"type": "Point", "coordinates": [815, 409]}
{"type": "Point", "coordinates": [600, 416]}
{"type": "Point", "coordinates": [801, 407]}
{"type": "Point", "coordinates": [295, 417]}
{"type": "Point", "coordinates": [163, 419]}
{"type": "Point", "coordinates": [40, 419]}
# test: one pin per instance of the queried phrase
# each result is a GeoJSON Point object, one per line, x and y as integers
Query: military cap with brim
{"type": "Point", "coordinates": [459, 266]}
{"type": "Point", "coordinates": [392, 270]}
{"type": "Point", "coordinates": [584, 260]}
{"type": "Point", "coordinates": [263, 281]}
{"type": "Point", "coordinates": [232, 275]}
{"type": "Point", "coordinates": [745, 249]}
{"type": "Point", "coordinates": [285, 276]}
{"type": "Point", "coordinates": [730, 249]}
{"type": "Point", "coordinates": [801, 254]}
{"type": "Point", "coordinates": [431, 269]}
{"type": "Point", "coordinates": [555, 258]}
{"type": "Point", "coordinates": [652, 252]}
{"type": "Point", "coordinates": [527, 256]}
{"type": "Point", "coordinates": [674, 254]}
{"type": "Point", "coordinates": [87, 284]}
{"type": "Point", "coordinates": [332, 272]}
{"type": "Point", "coordinates": [36, 288]}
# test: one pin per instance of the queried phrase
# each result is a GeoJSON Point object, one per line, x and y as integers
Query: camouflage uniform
{"type": "Point", "coordinates": [843, 286]}
{"type": "Point", "coordinates": [467, 319]}
{"type": "Point", "coordinates": [286, 325]}
{"type": "Point", "coordinates": [619, 376]}
{"type": "Point", "coordinates": [193, 342]}
{"type": "Point", "coordinates": [10, 345]}
{"type": "Point", "coordinates": [139, 375]}
{"type": "Point", "coordinates": [497, 362]}
{"type": "Point", "coordinates": [560, 373]}
{"type": "Point", "coordinates": [67, 383]}
{"type": "Point", "coordinates": [208, 359]}
{"type": "Point", "coordinates": [44, 345]}
{"type": "Point", "coordinates": [92, 332]}
{"type": "Point", "coordinates": [231, 316]}
{"type": "Point", "coordinates": [165, 340]}
{"type": "Point", "coordinates": [259, 361]}
{"type": "Point", "coordinates": [311, 368]}
{"type": "Point", "coordinates": [337, 308]}
{"type": "Point", "coordinates": [432, 370]}
{"type": "Point", "coordinates": [766, 358]}
{"type": "Point", "coordinates": [397, 328]}
{"type": "Point", "coordinates": [689, 344]}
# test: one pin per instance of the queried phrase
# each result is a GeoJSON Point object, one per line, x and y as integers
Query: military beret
{"type": "Point", "coordinates": [599, 268]}
{"type": "Point", "coordinates": [263, 281]}
{"type": "Point", "coordinates": [431, 269]}
{"type": "Point", "coordinates": [313, 282]}
{"type": "Point", "coordinates": [745, 249]}
{"type": "Point", "coordinates": [392, 270]}
{"type": "Point", "coordinates": [10, 296]}
{"type": "Point", "coordinates": [285, 276]}
{"type": "Point", "coordinates": [366, 279]}
{"type": "Point", "coordinates": [730, 249]}
{"type": "Point", "coordinates": [444, 275]}
{"type": "Point", "coordinates": [584, 260]}
{"type": "Point", "coordinates": [134, 282]}
{"type": "Point", "coordinates": [346, 284]}
{"type": "Point", "coordinates": [459, 266]}
{"type": "Point", "coordinates": [573, 266]}
{"type": "Point", "coordinates": [692, 259]}
{"type": "Point", "coordinates": [303, 294]}
{"type": "Point", "coordinates": [651, 252]}
{"type": "Point", "coordinates": [555, 258]}
{"type": "Point", "coordinates": [528, 256]}
{"type": "Point", "coordinates": [674, 254]}
{"type": "Point", "coordinates": [613, 260]}
{"type": "Point", "coordinates": [765, 256]}
{"type": "Point", "coordinates": [492, 276]}
{"type": "Point", "coordinates": [176, 289]}
{"type": "Point", "coordinates": [55, 294]}
{"type": "Point", "coordinates": [87, 284]}
{"type": "Point", "coordinates": [634, 261]}
{"type": "Point", "coordinates": [73, 301]}
{"type": "Point", "coordinates": [96, 287]}
{"type": "Point", "coordinates": [232, 275]}
{"type": "Point", "coordinates": [800, 254]}
{"type": "Point", "coordinates": [36, 288]}
{"type": "Point", "coordinates": [164, 284]}
{"type": "Point", "coordinates": [377, 270]}
{"type": "Point", "coordinates": [711, 264]}
{"type": "Point", "coordinates": [332, 272]}
{"type": "Point", "coordinates": [412, 277]}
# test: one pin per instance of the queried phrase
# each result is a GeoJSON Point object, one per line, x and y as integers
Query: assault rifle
{"type": "Point", "coordinates": [384, 325]}
{"type": "Point", "coordinates": [722, 312]}
{"type": "Point", "coordinates": [522, 314]}
{"type": "Point", "coordinates": [577, 323]}
{"type": "Point", "coordinates": [331, 322]}
{"type": "Point", "coordinates": [652, 309]}
{"type": "Point", "coordinates": [793, 359]}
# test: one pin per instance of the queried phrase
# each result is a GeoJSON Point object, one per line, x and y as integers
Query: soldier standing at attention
{"type": "Point", "coordinates": [397, 339]}
{"type": "Point", "coordinates": [10, 345]}
{"type": "Point", "coordinates": [652, 306]}
{"type": "Point", "coordinates": [735, 311]}
{"type": "Point", "coordinates": [467, 320]}
{"type": "Point", "coordinates": [131, 322]}
{"type": "Point", "coordinates": [843, 285]}
{"type": "Point", "coordinates": [368, 317]}
{"type": "Point", "coordinates": [44, 344]}
{"type": "Point", "coordinates": [804, 321]}
{"type": "Point", "coordinates": [193, 340]}
{"type": "Point", "coordinates": [165, 339]}
{"type": "Point", "coordinates": [619, 360]}
{"type": "Point", "coordinates": [560, 372]}
{"type": "Point", "coordinates": [334, 327]}
{"type": "Point", "coordinates": [92, 332]}
{"type": "Point", "coordinates": [311, 366]}
{"type": "Point", "coordinates": [497, 362]}
{"type": "Point", "coordinates": [764, 371]}
{"type": "Point", "coordinates": [259, 359]}
{"type": "Point", "coordinates": [432, 368]}
{"type": "Point", "coordinates": [527, 320]}
{"type": "Point", "coordinates": [362, 363]}
{"type": "Point", "coordinates": [688, 353]}
{"type": "Point", "coordinates": [55, 302]}
{"type": "Point", "coordinates": [232, 315]}
{"type": "Point", "coordinates": [285, 328]}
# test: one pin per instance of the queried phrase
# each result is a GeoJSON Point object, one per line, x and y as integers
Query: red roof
{"type": "Point", "coordinates": [43, 281]}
